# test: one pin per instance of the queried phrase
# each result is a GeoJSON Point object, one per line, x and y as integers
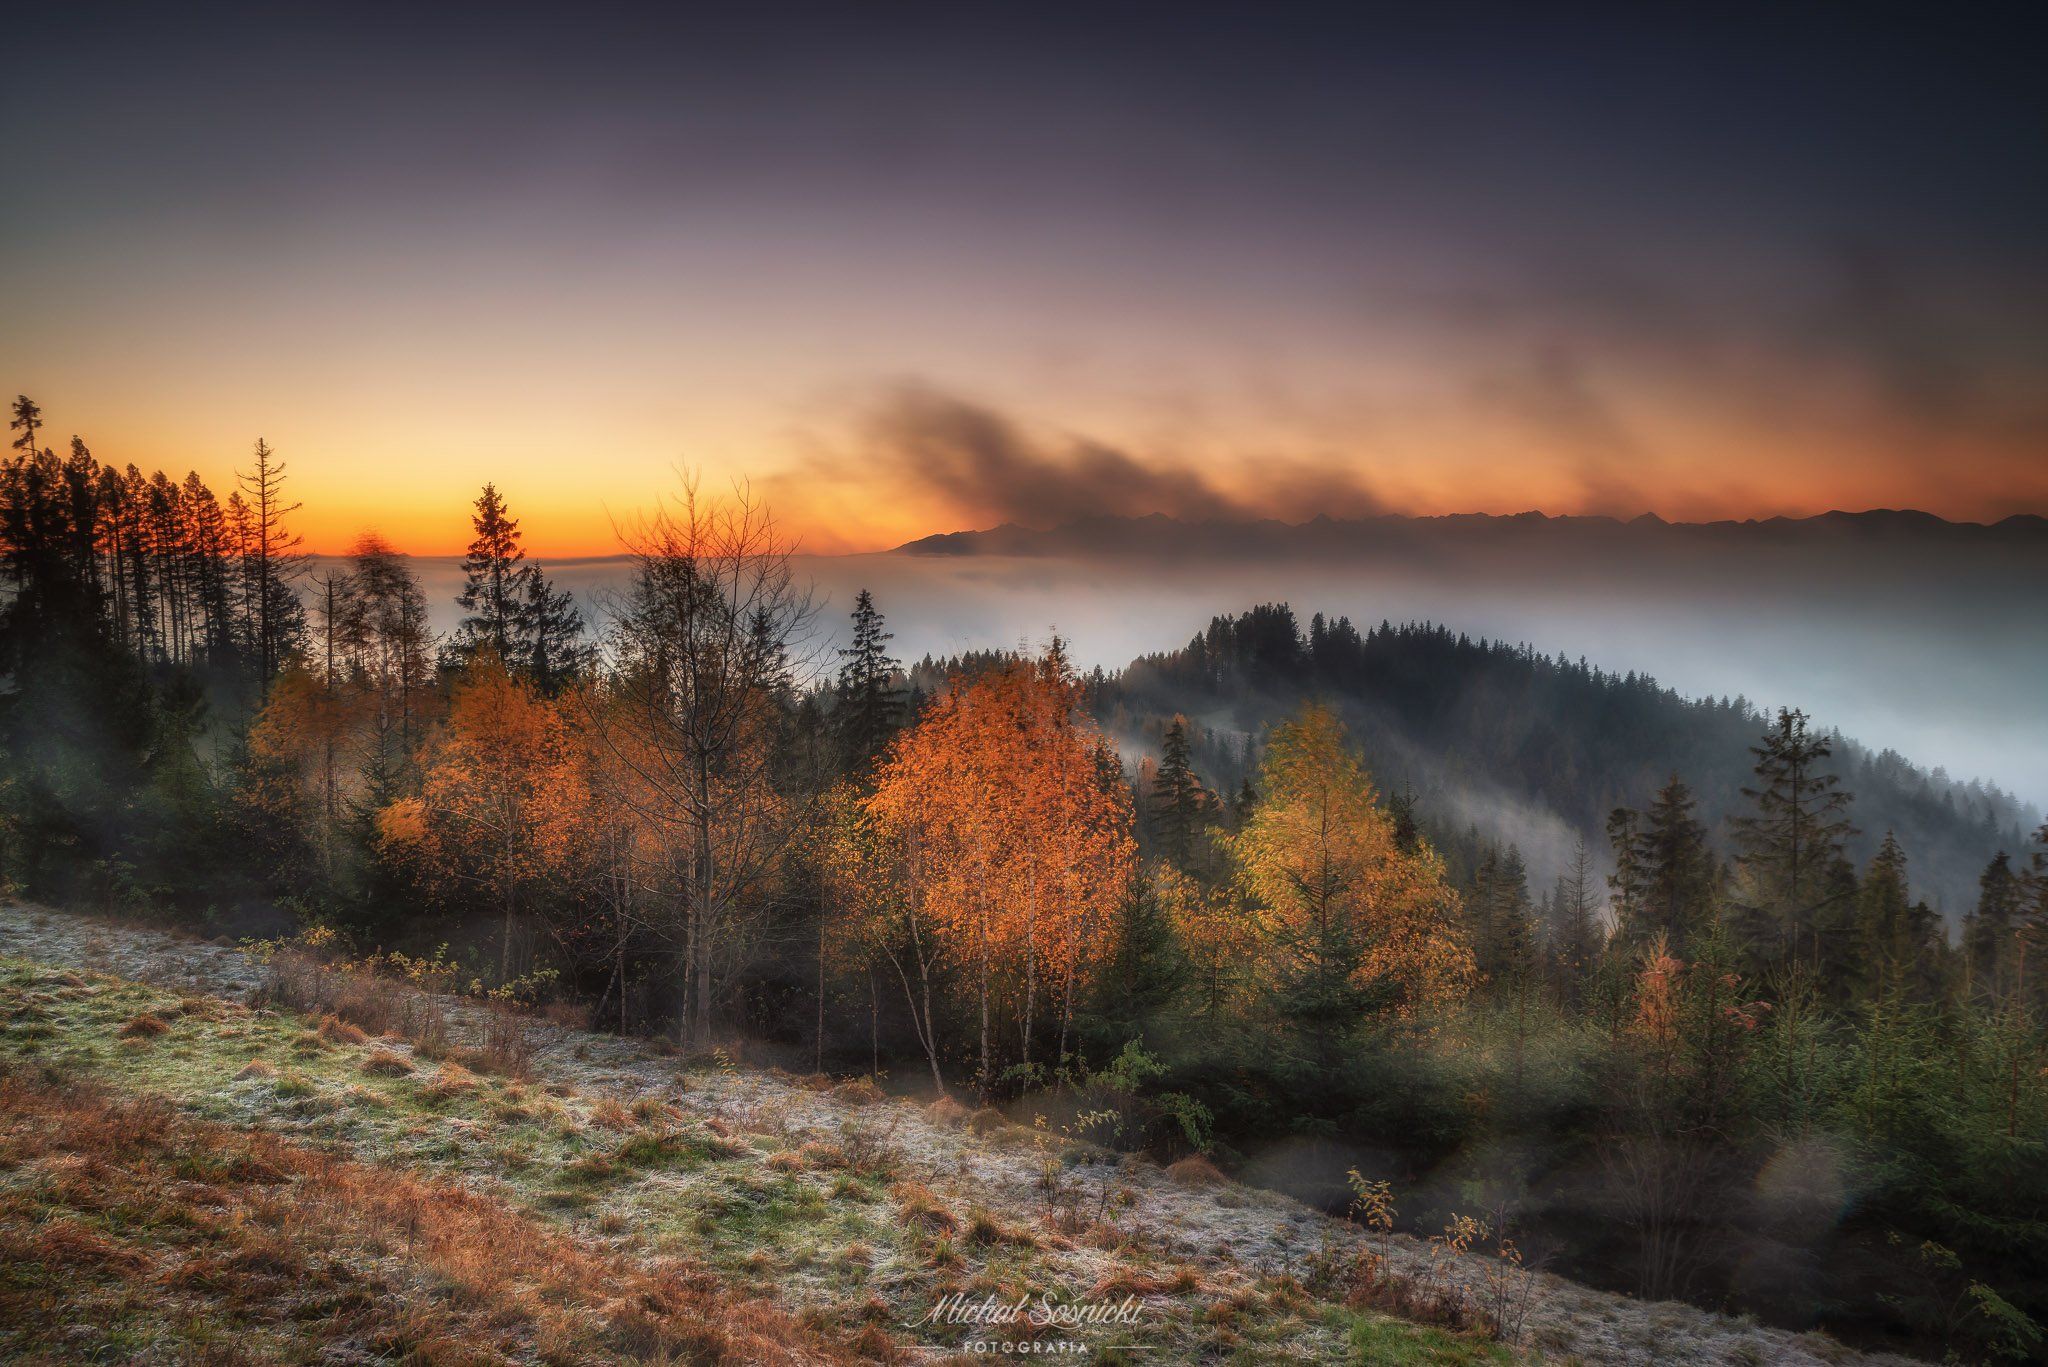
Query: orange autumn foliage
{"type": "Point", "coordinates": [501, 792]}
{"type": "Point", "coordinates": [1010, 810]}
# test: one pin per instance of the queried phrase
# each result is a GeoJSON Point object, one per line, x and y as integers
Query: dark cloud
{"type": "Point", "coordinates": [923, 440]}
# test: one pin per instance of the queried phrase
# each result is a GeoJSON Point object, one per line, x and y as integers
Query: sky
{"type": "Point", "coordinates": [908, 269]}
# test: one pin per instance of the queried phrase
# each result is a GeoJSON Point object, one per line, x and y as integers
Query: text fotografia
{"type": "Point", "coordinates": [1032, 1313]}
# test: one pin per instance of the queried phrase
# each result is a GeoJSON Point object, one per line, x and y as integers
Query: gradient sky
{"type": "Point", "coordinates": [912, 268]}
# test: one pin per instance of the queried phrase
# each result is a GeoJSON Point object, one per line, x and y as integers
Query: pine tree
{"type": "Point", "coordinates": [27, 420]}
{"type": "Point", "coordinates": [1407, 831]}
{"type": "Point", "coordinates": [1146, 968]}
{"type": "Point", "coordinates": [1794, 898]}
{"type": "Point", "coordinates": [513, 611]}
{"type": "Point", "coordinates": [1500, 918]}
{"type": "Point", "coordinates": [1665, 881]}
{"type": "Point", "coordinates": [551, 646]}
{"type": "Point", "coordinates": [1575, 935]}
{"type": "Point", "coordinates": [1989, 947]}
{"type": "Point", "coordinates": [494, 582]}
{"type": "Point", "coordinates": [1244, 806]}
{"type": "Point", "coordinates": [1177, 798]}
{"type": "Point", "coordinates": [271, 560]}
{"type": "Point", "coordinates": [1896, 939]}
{"type": "Point", "coordinates": [870, 703]}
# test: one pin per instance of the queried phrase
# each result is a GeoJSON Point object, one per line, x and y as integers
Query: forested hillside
{"type": "Point", "coordinates": [1500, 744]}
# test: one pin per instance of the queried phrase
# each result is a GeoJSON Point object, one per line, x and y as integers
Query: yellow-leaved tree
{"type": "Point", "coordinates": [501, 792]}
{"type": "Point", "coordinates": [1350, 927]}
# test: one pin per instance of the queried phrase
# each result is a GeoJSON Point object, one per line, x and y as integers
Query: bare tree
{"type": "Point", "coordinates": [701, 648]}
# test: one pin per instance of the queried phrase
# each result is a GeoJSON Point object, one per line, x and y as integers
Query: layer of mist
{"type": "Point", "coordinates": [1942, 661]}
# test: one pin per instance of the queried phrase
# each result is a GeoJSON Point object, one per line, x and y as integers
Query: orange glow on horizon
{"type": "Point", "coordinates": [413, 477]}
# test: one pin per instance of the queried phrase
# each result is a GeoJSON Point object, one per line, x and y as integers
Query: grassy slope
{"type": "Point", "coordinates": [244, 1185]}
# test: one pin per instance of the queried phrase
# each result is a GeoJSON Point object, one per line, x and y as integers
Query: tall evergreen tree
{"type": "Point", "coordinates": [1574, 932]}
{"type": "Point", "coordinates": [1146, 969]}
{"type": "Point", "coordinates": [1665, 880]}
{"type": "Point", "coordinates": [1990, 949]}
{"type": "Point", "coordinates": [1500, 918]}
{"type": "Point", "coordinates": [511, 608]}
{"type": "Point", "coordinates": [552, 647]}
{"type": "Point", "coordinates": [27, 419]}
{"type": "Point", "coordinates": [1407, 830]}
{"type": "Point", "coordinates": [271, 560]}
{"type": "Point", "coordinates": [1794, 900]}
{"type": "Point", "coordinates": [1896, 939]}
{"type": "Point", "coordinates": [494, 582]}
{"type": "Point", "coordinates": [1177, 800]}
{"type": "Point", "coordinates": [870, 701]}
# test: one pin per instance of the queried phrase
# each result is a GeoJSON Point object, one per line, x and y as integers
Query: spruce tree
{"type": "Point", "coordinates": [1895, 938]}
{"type": "Point", "coordinates": [552, 650]}
{"type": "Point", "coordinates": [1665, 880]}
{"type": "Point", "coordinates": [870, 703]}
{"type": "Point", "coordinates": [1989, 948]}
{"type": "Point", "coordinates": [1793, 900]}
{"type": "Point", "coordinates": [511, 608]}
{"type": "Point", "coordinates": [1501, 920]}
{"type": "Point", "coordinates": [1575, 935]}
{"type": "Point", "coordinates": [1407, 831]}
{"type": "Point", "coordinates": [271, 560]}
{"type": "Point", "coordinates": [1144, 973]}
{"type": "Point", "coordinates": [1176, 798]}
{"type": "Point", "coordinates": [494, 586]}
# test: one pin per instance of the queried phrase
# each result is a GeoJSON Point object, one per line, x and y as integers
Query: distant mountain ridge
{"type": "Point", "coordinates": [1159, 534]}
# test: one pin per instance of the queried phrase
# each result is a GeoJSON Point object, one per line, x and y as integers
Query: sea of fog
{"type": "Point", "coordinates": [1950, 670]}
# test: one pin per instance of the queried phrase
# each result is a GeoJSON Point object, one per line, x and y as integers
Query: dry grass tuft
{"type": "Point", "coordinates": [874, 1344]}
{"type": "Point", "coordinates": [335, 1030]}
{"type": "Point", "coordinates": [1196, 1171]}
{"type": "Point", "coordinates": [611, 1115]}
{"type": "Point", "coordinates": [449, 1081]}
{"type": "Point", "coordinates": [985, 1231]}
{"type": "Point", "coordinates": [387, 1063]}
{"type": "Point", "coordinates": [818, 1154]}
{"type": "Point", "coordinates": [920, 1208]}
{"type": "Point", "coordinates": [144, 1027]}
{"type": "Point", "coordinates": [567, 1014]}
{"type": "Point", "coordinates": [651, 1110]}
{"type": "Point", "coordinates": [1129, 1281]}
{"type": "Point", "coordinates": [859, 1091]}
